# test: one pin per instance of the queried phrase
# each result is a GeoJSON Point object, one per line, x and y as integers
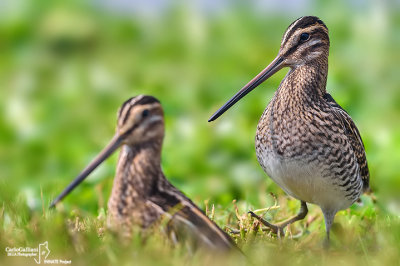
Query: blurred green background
{"type": "Point", "coordinates": [67, 66]}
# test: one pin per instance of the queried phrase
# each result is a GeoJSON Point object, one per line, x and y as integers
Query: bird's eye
{"type": "Point", "coordinates": [304, 36]}
{"type": "Point", "coordinates": [145, 113]}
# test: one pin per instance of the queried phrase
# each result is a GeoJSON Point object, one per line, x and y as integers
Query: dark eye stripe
{"type": "Point", "coordinates": [313, 34]}
{"type": "Point", "coordinates": [312, 48]}
{"type": "Point", "coordinates": [291, 50]}
{"type": "Point", "coordinates": [315, 46]}
{"type": "Point", "coordinates": [129, 131]}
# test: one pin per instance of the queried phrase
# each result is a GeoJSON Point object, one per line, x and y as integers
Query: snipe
{"type": "Point", "coordinates": [141, 195]}
{"type": "Point", "coordinates": [305, 141]}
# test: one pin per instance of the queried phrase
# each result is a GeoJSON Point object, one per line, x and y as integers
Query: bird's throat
{"type": "Point", "coordinates": [305, 82]}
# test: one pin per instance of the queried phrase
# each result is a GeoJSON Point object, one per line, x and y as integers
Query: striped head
{"type": "Point", "coordinates": [140, 119]}
{"type": "Point", "coordinates": [305, 42]}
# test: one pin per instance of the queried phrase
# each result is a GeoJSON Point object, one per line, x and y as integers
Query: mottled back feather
{"type": "Point", "coordinates": [354, 137]}
{"type": "Point", "coordinates": [187, 217]}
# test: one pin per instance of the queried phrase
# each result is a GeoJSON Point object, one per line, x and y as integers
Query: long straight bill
{"type": "Point", "coordinates": [271, 69]}
{"type": "Point", "coordinates": [104, 154]}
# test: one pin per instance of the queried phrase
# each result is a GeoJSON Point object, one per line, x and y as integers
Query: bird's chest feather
{"type": "Point", "coordinates": [292, 147]}
{"type": "Point", "coordinates": [293, 130]}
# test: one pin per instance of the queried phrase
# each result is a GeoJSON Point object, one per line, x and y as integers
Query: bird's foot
{"type": "Point", "coordinates": [278, 228]}
{"type": "Point", "coordinates": [275, 228]}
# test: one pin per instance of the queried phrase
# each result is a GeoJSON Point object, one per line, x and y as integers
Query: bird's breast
{"type": "Point", "coordinates": [298, 151]}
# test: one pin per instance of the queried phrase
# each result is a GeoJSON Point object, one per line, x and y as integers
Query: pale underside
{"type": "Point", "coordinates": [304, 181]}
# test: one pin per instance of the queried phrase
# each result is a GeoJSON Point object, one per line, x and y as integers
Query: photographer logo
{"type": "Point", "coordinates": [39, 254]}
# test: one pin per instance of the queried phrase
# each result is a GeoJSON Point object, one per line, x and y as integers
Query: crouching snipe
{"type": "Point", "coordinates": [141, 195]}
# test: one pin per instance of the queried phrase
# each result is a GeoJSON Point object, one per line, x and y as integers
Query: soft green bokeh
{"type": "Point", "coordinates": [66, 67]}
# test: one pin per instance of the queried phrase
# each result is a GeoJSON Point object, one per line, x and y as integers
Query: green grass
{"type": "Point", "coordinates": [361, 235]}
{"type": "Point", "coordinates": [65, 68]}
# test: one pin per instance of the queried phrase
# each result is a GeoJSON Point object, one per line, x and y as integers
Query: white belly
{"type": "Point", "coordinates": [303, 180]}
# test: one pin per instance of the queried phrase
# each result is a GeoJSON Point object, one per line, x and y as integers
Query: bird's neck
{"type": "Point", "coordinates": [137, 171]}
{"type": "Point", "coordinates": [147, 154]}
{"type": "Point", "coordinates": [306, 82]}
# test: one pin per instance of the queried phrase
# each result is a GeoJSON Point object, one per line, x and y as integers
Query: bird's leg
{"type": "Point", "coordinates": [299, 216]}
{"type": "Point", "coordinates": [327, 243]}
{"type": "Point", "coordinates": [329, 217]}
{"type": "Point", "coordinates": [278, 228]}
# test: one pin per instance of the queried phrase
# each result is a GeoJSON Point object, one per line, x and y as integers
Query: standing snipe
{"type": "Point", "coordinates": [305, 141]}
{"type": "Point", "coordinates": [141, 194]}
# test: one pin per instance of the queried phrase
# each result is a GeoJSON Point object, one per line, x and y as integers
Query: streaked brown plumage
{"type": "Point", "coordinates": [305, 141]}
{"type": "Point", "coordinates": [141, 195]}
